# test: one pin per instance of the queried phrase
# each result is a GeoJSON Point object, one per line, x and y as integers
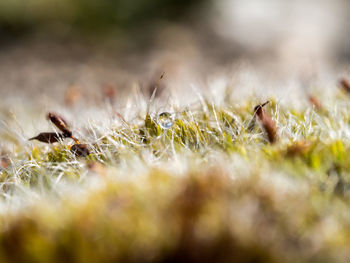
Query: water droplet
{"type": "Point", "coordinates": [165, 120]}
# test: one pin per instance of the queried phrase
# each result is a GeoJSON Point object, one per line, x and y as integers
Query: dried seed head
{"type": "Point", "coordinates": [345, 84]}
{"type": "Point", "coordinates": [109, 92]}
{"type": "Point", "coordinates": [270, 128]}
{"type": "Point", "coordinates": [268, 124]}
{"type": "Point", "coordinates": [259, 109]}
{"type": "Point", "coordinates": [54, 117]}
{"type": "Point", "coordinates": [60, 123]}
{"type": "Point", "coordinates": [96, 168]}
{"type": "Point", "coordinates": [72, 95]}
{"type": "Point", "coordinates": [315, 102]}
{"type": "Point", "coordinates": [49, 137]}
{"type": "Point", "coordinates": [298, 148]}
{"type": "Point", "coordinates": [4, 160]}
{"type": "Point", "coordinates": [80, 150]}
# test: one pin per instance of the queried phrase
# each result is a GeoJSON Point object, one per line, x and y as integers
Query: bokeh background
{"type": "Point", "coordinates": [56, 48]}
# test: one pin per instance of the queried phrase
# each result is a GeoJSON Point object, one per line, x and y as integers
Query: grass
{"type": "Point", "coordinates": [189, 184]}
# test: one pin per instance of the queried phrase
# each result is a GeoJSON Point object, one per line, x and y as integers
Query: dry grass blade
{"type": "Point", "coordinates": [155, 87]}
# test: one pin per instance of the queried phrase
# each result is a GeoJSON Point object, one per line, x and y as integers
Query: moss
{"type": "Point", "coordinates": [202, 188]}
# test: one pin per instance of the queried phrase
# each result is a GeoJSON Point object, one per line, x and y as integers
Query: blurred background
{"type": "Point", "coordinates": [76, 48]}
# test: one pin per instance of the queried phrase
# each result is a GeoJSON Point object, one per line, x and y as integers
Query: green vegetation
{"type": "Point", "coordinates": [203, 183]}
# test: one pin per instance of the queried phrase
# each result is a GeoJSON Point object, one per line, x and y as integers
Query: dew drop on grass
{"type": "Point", "coordinates": [165, 120]}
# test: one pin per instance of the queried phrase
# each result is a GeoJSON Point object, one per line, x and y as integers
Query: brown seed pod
{"type": "Point", "coordinates": [4, 160]}
{"type": "Point", "coordinates": [60, 123]}
{"type": "Point", "coordinates": [298, 148]}
{"type": "Point", "coordinates": [268, 124]}
{"type": "Point", "coordinates": [80, 150]}
{"type": "Point", "coordinates": [97, 168]}
{"type": "Point", "coordinates": [270, 128]}
{"type": "Point", "coordinates": [314, 101]}
{"type": "Point", "coordinates": [345, 84]}
{"type": "Point", "coordinates": [259, 109]}
{"type": "Point", "coordinates": [109, 92]}
{"type": "Point", "coordinates": [49, 137]}
{"type": "Point", "coordinates": [72, 95]}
